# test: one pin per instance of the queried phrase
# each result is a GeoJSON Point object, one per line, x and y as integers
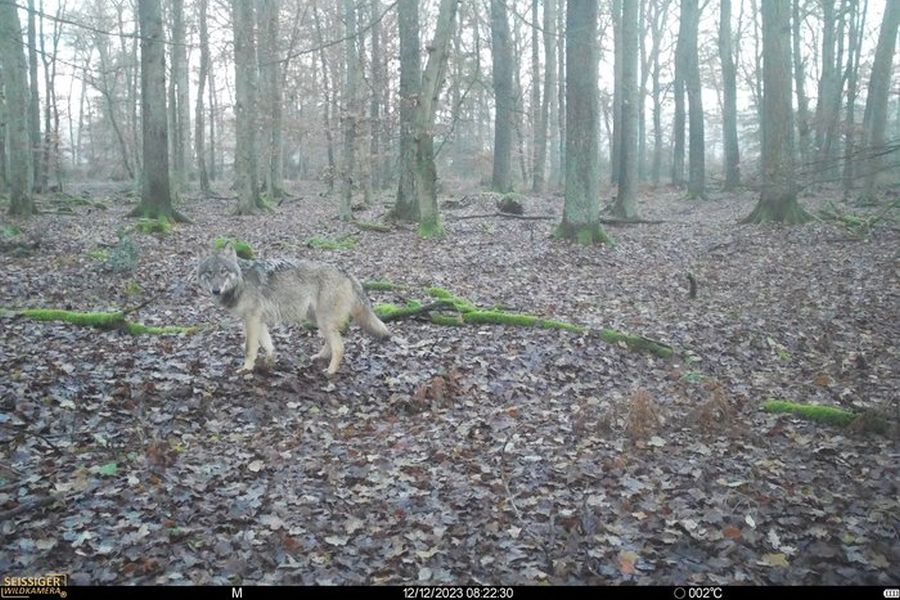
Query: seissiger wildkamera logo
{"type": "Point", "coordinates": [52, 584]}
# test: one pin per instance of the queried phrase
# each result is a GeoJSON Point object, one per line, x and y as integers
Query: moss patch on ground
{"type": "Point", "coordinates": [827, 415]}
{"type": "Point", "coordinates": [101, 320]}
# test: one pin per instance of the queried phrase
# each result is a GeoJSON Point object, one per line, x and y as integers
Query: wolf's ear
{"type": "Point", "coordinates": [228, 250]}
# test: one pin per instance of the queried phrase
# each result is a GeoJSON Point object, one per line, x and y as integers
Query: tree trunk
{"type": "Point", "coordinates": [349, 111]}
{"type": "Point", "coordinates": [549, 96]}
{"type": "Point", "coordinates": [625, 206]}
{"type": "Point", "coordinates": [854, 49]}
{"type": "Point", "coordinates": [270, 84]}
{"type": "Point", "coordinates": [182, 131]}
{"type": "Point", "coordinates": [778, 197]}
{"type": "Point", "coordinates": [615, 142]}
{"type": "Point", "coordinates": [15, 84]}
{"type": "Point", "coordinates": [327, 103]}
{"type": "Point", "coordinates": [581, 212]}
{"type": "Point", "coordinates": [660, 10]}
{"type": "Point", "coordinates": [406, 207]}
{"type": "Point", "coordinates": [680, 72]}
{"type": "Point", "coordinates": [34, 102]}
{"type": "Point", "coordinates": [246, 161]}
{"type": "Point", "coordinates": [538, 108]}
{"type": "Point", "coordinates": [560, 163]}
{"type": "Point", "coordinates": [729, 111]}
{"type": "Point", "coordinates": [875, 116]}
{"type": "Point", "coordinates": [690, 12]}
{"type": "Point", "coordinates": [379, 86]}
{"type": "Point", "coordinates": [156, 195]}
{"type": "Point", "coordinates": [501, 54]}
{"type": "Point", "coordinates": [799, 81]}
{"type": "Point", "coordinates": [432, 79]}
{"type": "Point", "coordinates": [199, 129]}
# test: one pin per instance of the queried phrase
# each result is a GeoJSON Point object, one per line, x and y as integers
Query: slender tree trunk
{"type": "Point", "coordinates": [538, 109]}
{"type": "Point", "coordinates": [545, 116]}
{"type": "Point", "coordinates": [681, 61]}
{"type": "Point", "coordinates": [799, 82]}
{"type": "Point", "coordinates": [432, 79]}
{"type": "Point", "coordinates": [501, 53]}
{"type": "Point", "coordinates": [15, 84]}
{"type": "Point", "coordinates": [406, 207]}
{"type": "Point", "coordinates": [246, 123]}
{"type": "Point", "coordinates": [690, 11]}
{"type": "Point", "coordinates": [379, 85]}
{"type": "Point", "coordinates": [34, 105]}
{"type": "Point", "coordinates": [778, 197]}
{"type": "Point", "coordinates": [156, 195]}
{"type": "Point", "coordinates": [729, 112]}
{"type": "Point", "coordinates": [560, 161]}
{"type": "Point", "coordinates": [518, 113]}
{"type": "Point", "coordinates": [581, 212]}
{"type": "Point", "coordinates": [213, 115]}
{"type": "Point", "coordinates": [349, 111]}
{"type": "Point", "coordinates": [854, 48]}
{"type": "Point", "coordinates": [270, 74]}
{"type": "Point", "coordinates": [182, 98]}
{"type": "Point", "coordinates": [615, 141]}
{"type": "Point", "coordinates": [626, 200]}
{"type": "Point", "coordinates": [203, 75]}
{"type": "Point", "coordinates": [875, 116]}
{"type": "Point", "coordinates": [328, 102]}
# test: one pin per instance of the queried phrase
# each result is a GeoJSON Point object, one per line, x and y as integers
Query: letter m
{"type": "Point", "coordinates": [237, 592]}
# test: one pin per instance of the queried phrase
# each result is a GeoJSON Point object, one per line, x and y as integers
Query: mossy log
{"type": "Point", "coordinates": [467, 313]}
{"type": "Point", "coordinates": [373, 226]}
{"type": "Point", "coordinates": [106, 321]}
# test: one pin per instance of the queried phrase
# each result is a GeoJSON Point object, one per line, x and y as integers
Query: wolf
{"type": "Point", "coordinates": [266, 292]}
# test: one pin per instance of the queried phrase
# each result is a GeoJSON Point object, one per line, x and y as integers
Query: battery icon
{"type": "Point", "coordinates": [892, 593]}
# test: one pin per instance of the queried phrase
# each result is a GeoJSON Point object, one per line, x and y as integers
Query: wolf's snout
{"type": "Point", "coordinates": [216, 291]}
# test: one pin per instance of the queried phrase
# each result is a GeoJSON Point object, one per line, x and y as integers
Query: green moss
{"type": "Point", "coordinates": [162, 225]}
{"type": "Point", "coordinates": [460, 304]}
{"type": "Point", "coordinates": [380, 285]}
{"type": "Point", "coordinates": [394, 311]}
{"type": "Point", "coordinates": [431, 229]}
{"type": "Point", "coordinates": [586, 235]}
{"type": "Point", "coordinates": [324, 243]}
{"type": "Point", "coordinates": [635, 342]}
{"type": "Point", "coordinates": [132, 288]}
{"type": "Point", "coordinates": [9, 231]}
{"type": "Point", "coordinates": [497, 317]}
{"type": "Point", "coordinates": [101, 320]}
{"type": "Point", "coordinates": [813, 412]}
{"type": "Point", "coordinates": [241, 248]}
{"type": "Point", "coordinates": [447, 320]}
{"type": "Point", "coordinates": [101, 254]}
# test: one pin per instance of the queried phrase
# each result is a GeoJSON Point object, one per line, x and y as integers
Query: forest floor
{"type": "Point", "coordinates": [474, 454]}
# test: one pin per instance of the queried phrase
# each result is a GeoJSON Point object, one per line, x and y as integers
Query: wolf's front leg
{"type": "Point", "coordinates": [252, 327]}
{"type": "Point", "coordinates": [265, 340]}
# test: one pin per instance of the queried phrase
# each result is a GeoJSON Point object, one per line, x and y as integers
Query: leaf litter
{"type": "Point", "coordinates": [475, 454]}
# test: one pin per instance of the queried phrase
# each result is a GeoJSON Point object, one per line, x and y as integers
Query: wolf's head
{"type": "Point", "coordinates": [220, 273]}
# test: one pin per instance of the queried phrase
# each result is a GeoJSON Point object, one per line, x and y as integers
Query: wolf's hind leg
{"type": "Point", "coordinates": [265, 340]}
{"type": "Point", "coordinates": [336, 345]}
{"type": "Point", "coordinates": [252, 328]}
{"type": "Point", "coordinates": [324, 353]}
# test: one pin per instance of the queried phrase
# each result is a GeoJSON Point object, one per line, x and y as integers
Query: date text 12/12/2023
{"type": "Point", "coordinates": [457, 593]}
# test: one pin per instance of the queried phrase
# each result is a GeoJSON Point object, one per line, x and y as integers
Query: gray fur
{"type": "Point", "coordinates": [266, 292]}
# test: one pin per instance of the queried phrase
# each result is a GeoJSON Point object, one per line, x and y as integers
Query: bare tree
{"type": "Point", "coordinates": [800, 82]}
{"type": "Point", "coordinates": [199, 138]}
{"type": "Point", "coordinates": [156, 194]}
{"type": "Point", "coordinates": [245, 82]}
{"type": "Point", "coordinates": [581, 212]}
{"type": "Point", "coordinates": [34, 102]}
{"type": "Point", "coordinates": [778, 196]}
{"type": "Point", "coordinates": [690, 13]}
{"type": "Point", "coordinates": [432, 79]}
{"type": "Point", "coordinates": [501, 52]}
{"type": "Point", "coordinates": [626, 199]}
{"type": "Point", "coordinates": [406, 206]}
{"type": "Point", "coordinates": [15, 87]}
{"type": "Point", "coordinates": [729, 109]}
{"type": "Point", "coordinates": [875, 117]}
{"type": "Point", "coordinates": [268, 15]}
{"type": "Point", "coordinates": [182, 124]}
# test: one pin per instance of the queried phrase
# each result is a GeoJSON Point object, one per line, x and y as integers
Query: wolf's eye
{"type": "Point", "coordinates": [223, 271]}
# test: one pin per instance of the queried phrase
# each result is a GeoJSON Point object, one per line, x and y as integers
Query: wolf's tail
{"type": "Point", "coordinates": [364, 315]}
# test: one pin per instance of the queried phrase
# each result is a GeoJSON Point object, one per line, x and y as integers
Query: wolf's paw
{"type": "Point", "coordinates": [245, 370]}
